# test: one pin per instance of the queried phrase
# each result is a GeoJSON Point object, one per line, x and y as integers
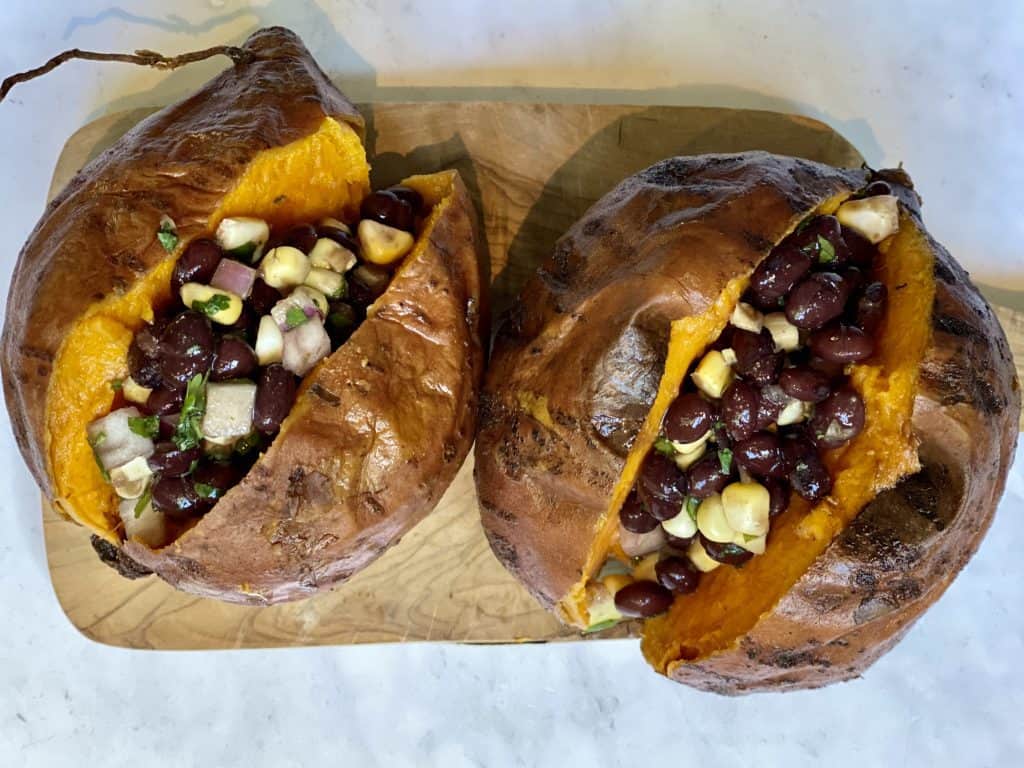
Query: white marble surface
{"type": "Point", "coordinates": [936, 86]}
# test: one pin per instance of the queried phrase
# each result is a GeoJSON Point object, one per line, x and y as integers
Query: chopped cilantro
{"type": "Point", "coordinates": [692, 502]}
{"type": "Point", "coordinates": [207, 491]}
{"type": "Point", "coordinates": [167, 234]}
{"type": "Point", "coordinates": [143, 502]}
{"type": "Point", "coordinates": [192, 466]}
{"type": "Point", "coordinates": [243, 252]}
{"type": "Point", "coordinates": [145, 426]}
{"type": "Point", "coordinates": [188, 433]}
{"type": "Point", "coordinates": [117, 384]}
{"type": "Point", "coordinates": [216, 303]}
{"type": "Point", "coordinates": [725, 459]}
{"type": "Point", "coordinates": [748, 537]}
{"type": "Point", "coordinates": [95, 443]}
{"type": "Point", "coordinates": [295, 317]}
{"type": "Point", "coordinates": [608, 624]}
{"type": "Point", "coordinates": [194, 350]}
{"type": "Point", "coordinates": [826, 251]}
{"type": "Point", "coordinates": [664, 446]}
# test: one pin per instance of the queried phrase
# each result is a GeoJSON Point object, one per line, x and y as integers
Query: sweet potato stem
{"type": "Point", "coordinates": [141, 57]}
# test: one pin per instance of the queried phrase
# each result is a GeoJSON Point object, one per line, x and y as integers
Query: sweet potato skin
{"type": "Point", "coordinates": [376, 436]}
{"type": "Point", "coordinates": [97, 237]}
{"type": "Point", "coordinates": [862, 595]}
{"type": "Point", "coordinates": [379, 429]}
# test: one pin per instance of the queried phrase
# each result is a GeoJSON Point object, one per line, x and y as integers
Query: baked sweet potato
{"type": "Point", "coordinates": [584, 368]}
{"type": "Point", "coordinates": [379, 428]}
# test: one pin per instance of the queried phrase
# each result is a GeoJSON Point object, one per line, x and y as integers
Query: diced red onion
{"type": "Point", "coordinates": [235, 277]}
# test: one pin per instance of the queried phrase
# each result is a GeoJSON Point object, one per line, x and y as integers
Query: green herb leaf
{"type": "Point", "coordinates": [207, 491]}
{"type": "Point", "coordinates": [167, 234]}
{"type": "Point", "coordinates": [188, 434]}
{"type": "Point", "coordinates": [243, 252]}
{"type": "Point", "coordinates": [143, 502]}
{"type": "Point", "coordinates": [608, 624]}
{"type": "Point", "coordinates": [145, 426]}
{"type": "Point", "coordinates": [748, 537]}
{"type": "Point", "coordinates": [217, 303]}
{"type": "Point", "coordinates": [295, 317]}
{"type": "Point", "coordinates": [94, 443]}
{"type": "Point", "coordinates": [247, 443]}
{"type": "Point", "coordinates": [192, 466]}
{"type": "Point", "coordinates": [117, 384]}
{"type": "Point", "coordinates": [725, 459]}
{"type": "Point", "coordinates": [826, 251]}
{"type": "Point", "coordinates": [342, 291]}
{"type": "Point", "coordinates": [692, 502]}
{"type": "Point", "coordinates": [664, 446]}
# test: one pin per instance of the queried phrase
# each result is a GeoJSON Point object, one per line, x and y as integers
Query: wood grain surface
{"type": "Point", "coordinates": [533, 169]}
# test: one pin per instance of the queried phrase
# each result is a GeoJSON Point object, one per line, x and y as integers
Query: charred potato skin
{"type": "Point", "coordinates": [380, 428]}
{"type": "Point", "coordinates": [898, 557]}
{"type": "Point", "coordinates": [589, 336]}
{"type": "Point", "coordinates": [97, 236]}
{"type": "Point", "coordinates": [376, 436]}
{"type": "Point", "coordinates": [863, 594]}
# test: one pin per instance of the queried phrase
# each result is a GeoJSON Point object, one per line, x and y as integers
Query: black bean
{"type": "Point", "coordinates": [643, 599]}
{"type": "Point", "coordinates": [777, 274]}
{"type": "Point", "coordinates": [144, 358]}
{"type": "Point", "coordinates": [169, 424]}
{"type": "Point", "coordinates": [725, 553]}
{"type": "Point", "coordinates": [163, 401]}
{"type": "Point", "coordinates": [186, 348]}
{"type": "Point", "coordinates": [876, 188]}
{"type": "Point", "coordinates": [661, 509]}
{"type": "Point", "coordinates": [196, 264]}
{"type": "Point", "coordinates": [677, 574]}
{"type": "Point", "coordinates": [809, 478]}
{"type": "Point", "coordinates": [275, 395]}
{"type": "Point", "coordinates": [838, 419]}
{"type": "Point", "coordinates": [366, 283]}
{"type": "Point", "coordinates": [234, 359]}
{"type": "Point", "coordinates": [778, 497]}
{"type": "Point", "coordinates": [724, 339]}
{"type": "Point", "coordinates": [762, 456]}
{"type": "Point", "coordinates": [689, 417]}
{"type": "Point", "coordinates": [341, 322]}
{"type": "Point", "coordinates": [817, 300]}
{"type": "Point", "coordinates": [862, 251]}
{"type": "Point", "coordinates": [301, 236]}
{"type": "Point", "coordinates": [830, 368]}
{"type": "Point", "coordinates": [263, 297]}
{"type": "Point", "coordinates": [218, 477]}
{"type": "Point", "coordinates": [706, 476]}
{"type": "Point", "coordinates": [168, 460]}
{"type": "Point", "coordinates": [634, 517]}
{"type": "Point", "coordinates": [805, 384]}
{"type": "Point", "coordinates": [739, 410]}
{"type": "Point", "coordinates": [809, 239]}
{"type": "Point", "coordinates": [853, 279]}
{"type": "Point", "coordinates": [660, 478]}
{"type": "Point", "coordinates": [247, 325]}
{"type": "Point", "coordinates": [771, 400]}
{"type": "Point", "coordinates": [677, 542]}
{"type": "Point", "coordinates": [409, 195]}
{"type": "Point", "coordinates": [388, 208]}
{"type": "Point", "coordinates": [176, 496]}
{"type": "Point", "coordinates": [840, 343]}
{"type": "Point", "coordinates": [869, 311]}
{"type": "Point", "coordinates": [756, 358]}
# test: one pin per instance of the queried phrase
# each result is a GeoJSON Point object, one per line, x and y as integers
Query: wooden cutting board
{"type": "Point", "coordinates": [533, 169]}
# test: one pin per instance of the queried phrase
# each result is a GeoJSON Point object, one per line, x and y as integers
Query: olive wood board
{"type": "Point", "coordinates": [532, 169]}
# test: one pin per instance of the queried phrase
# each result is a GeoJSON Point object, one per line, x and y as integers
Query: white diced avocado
{"type": "Point", "coordinates": [229, 407]}
{"type": "Point", "coordinates": [331, 284]}
{"type": "Point", "coordinates": [148, 526]}
{"type": "Point", "coordinates": [135, 392]}
{"type": "Point", "coordinates": [305, 346]}
{"type": "Point", "coordinates": [113, 440]}
{"type": "Point", "coordinates": [269, 341]}
{"type": "Point", "coordinates": [874, 218]}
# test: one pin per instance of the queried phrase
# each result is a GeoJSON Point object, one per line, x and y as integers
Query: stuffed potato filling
{"type": "Point", "coordinates": [217, 372]}
{"type": "Point", "coordinates": [756, 414]}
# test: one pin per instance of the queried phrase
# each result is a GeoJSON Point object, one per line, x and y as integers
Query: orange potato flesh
{"type": "Point", "coordinates": [730, 601]}
{"type": "Point", "coordinates": [322, 174]}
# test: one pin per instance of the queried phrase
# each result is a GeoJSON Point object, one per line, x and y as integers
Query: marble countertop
{"type": "Point", "coordinates": [933, 85]}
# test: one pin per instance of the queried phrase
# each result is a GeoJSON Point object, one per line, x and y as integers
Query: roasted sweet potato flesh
{"type": "Point", "coordinates": [322, 174]}
{"type": "Point", "coordinates": [730, 600]}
